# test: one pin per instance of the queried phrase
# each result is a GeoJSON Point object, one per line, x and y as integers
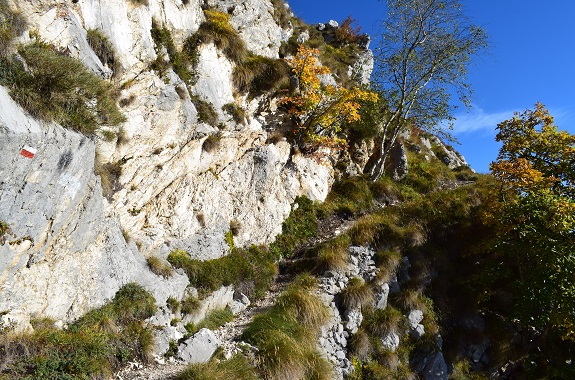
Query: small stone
{"type": "Point", "coordinates": [391, 341]}
{"type": "Point", "coordinates": [414, 318]}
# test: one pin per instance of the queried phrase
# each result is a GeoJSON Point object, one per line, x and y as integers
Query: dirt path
{"type": "Point", "coordinates": [229, 334]}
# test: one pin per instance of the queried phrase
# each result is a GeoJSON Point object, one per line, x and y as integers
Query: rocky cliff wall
{"type": "Point", "coordinates": [72, 247]}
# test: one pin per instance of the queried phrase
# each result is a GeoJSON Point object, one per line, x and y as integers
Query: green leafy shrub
{"type": "Point", "coordinates": [103, 49]}
{"type": "Point", "coordinates": [59, 88]}
{"type": "Point", "coordinates": [92, 347]}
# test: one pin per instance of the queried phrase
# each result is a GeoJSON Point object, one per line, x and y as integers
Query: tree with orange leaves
{"type": "Point", "coordinates": [535, 217]}
{"type": "Point", "coordinates": [320, 110]}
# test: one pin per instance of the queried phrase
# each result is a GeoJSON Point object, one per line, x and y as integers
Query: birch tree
{"type": "Point", "coordinates": [425, 49]}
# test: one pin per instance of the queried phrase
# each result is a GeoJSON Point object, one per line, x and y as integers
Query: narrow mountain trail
{"type": "Point", "coordinates": [229, 335]}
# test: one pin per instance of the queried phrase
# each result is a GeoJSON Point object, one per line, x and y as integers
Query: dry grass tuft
{"type": "Point", "coordinates": [359, 345]}
{"type": "Point", "coordinates": [211, 143]}
{"type": "Point", "coordinates": [159, 266]}
{"type": "Point", "coordinates": [356, 294]}
{"type": "Point", "coordinates": [332, 255]}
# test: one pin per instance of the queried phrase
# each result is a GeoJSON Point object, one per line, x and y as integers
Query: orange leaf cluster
{"type": "Point", "coordinates": [319, 111]}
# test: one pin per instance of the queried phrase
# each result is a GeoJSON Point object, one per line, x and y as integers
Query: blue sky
{"type": "Point", "coordinates": [531, 58]}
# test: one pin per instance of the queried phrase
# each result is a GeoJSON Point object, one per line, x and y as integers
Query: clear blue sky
{"type": "Point", "coordinates": [532, 58]}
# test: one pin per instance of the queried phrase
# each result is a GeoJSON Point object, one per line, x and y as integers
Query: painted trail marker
{"type": "Point", "coordinates": [28, 151]}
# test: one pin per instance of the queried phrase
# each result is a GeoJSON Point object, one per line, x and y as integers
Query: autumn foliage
{"type": "Point", "coordinates": [535, 217]}
{"type": "Point", "coordinates": [320, 110]}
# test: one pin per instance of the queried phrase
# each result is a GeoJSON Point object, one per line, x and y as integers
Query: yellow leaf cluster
{"type": "Point", "coordinates": [520, 175]}
{"type": "Point", "coordinates": [319, 111]}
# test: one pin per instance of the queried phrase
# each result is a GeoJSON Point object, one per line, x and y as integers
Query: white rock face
{"type": "Point", "coordinates": [127, 26]}
{"type": "Point", "coordinates": [69, 253]}
{"type": "Point", "coordinates": [66, 255]}
{"type": "Point", "coordinates": [214, 79]}
{"type": "Point", "coordinates": [254, 21]}
{"type": "Point", "coordinates": [391, 341]}
{"type": "Point", "coordinates": [363, 67]}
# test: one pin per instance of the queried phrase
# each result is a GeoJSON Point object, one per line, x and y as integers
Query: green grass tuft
{"type": "Point", "coordinates": [206, 112]}
{"type": "Point", "coordinates": [104, 50]}
{"type": "Point", "coordinates": [213, 320]}
{"type": "Point", "coordinates": [256, 75]}
{"type": "Point", "coordinates": [252, 269]}
{"type": "Point", "coordinates": [236, 112]}
{"type": "Point", "coordinates": [356, 294]}
{"type": "Point", "coordinates": [285, 335]}
{"type": "Point", "coordinates": [331, 255]}
{"type": "Point", "coordinates": [190, 305]}
{"type": "Point", "coordinates": [12, 24]}
{"type": "Point", "coordinates": [218, 30]}
{"type": "Point", "coordinates": [180, 61]}
{"type": "Point", "coordinates": [380, 323]}
{"type": "Point", "coordinates": [236, 368]}
{"type": "Point", "coordinates": [58, 88]}
{"type": "Point", "coordinates": [300, 225]}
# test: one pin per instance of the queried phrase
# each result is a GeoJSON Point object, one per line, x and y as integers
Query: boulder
{"type": "Point", "coordinates": [199, 348]}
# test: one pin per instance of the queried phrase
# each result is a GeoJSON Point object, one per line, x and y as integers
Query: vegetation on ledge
{"type": "Point", "coordinates": [91, 347]}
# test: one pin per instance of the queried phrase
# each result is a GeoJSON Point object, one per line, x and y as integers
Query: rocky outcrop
{"type": "Point", "coordinates": [343, 323]}
{"type": "Point", "coordinates": [446, 154]}
{"type": "Point", "coordinates": [255, 23]}
{"type": "Point", "coordinates": [73, 247]}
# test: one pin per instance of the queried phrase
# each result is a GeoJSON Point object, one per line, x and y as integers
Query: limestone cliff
{"type": "Point", "coordinates": [72, 247]}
